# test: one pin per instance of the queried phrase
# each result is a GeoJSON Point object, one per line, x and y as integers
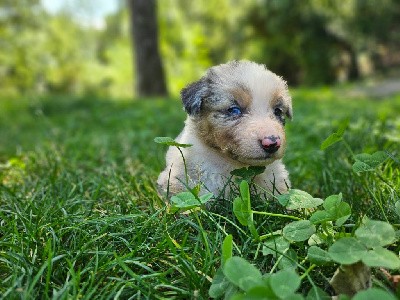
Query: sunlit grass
{"type": "Point", "coordinates": [79, 211]}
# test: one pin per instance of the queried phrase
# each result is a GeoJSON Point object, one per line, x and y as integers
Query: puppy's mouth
{"type": "Point", "coordinates": [256, 160]}
{"type": "Point", "coordinates": [261, 159]}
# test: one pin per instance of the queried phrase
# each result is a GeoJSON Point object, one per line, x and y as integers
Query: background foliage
{"type": "Point", "coordinates": [308, 42]}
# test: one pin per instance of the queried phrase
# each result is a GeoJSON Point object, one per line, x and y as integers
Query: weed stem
{"type": "Point", "coordinates": [348, 147]}
{"type": "Point", "coordinates": [276, 215]}
{"type": "Point", "coordinates": [184, 164]}
{"type": "Point", "coordinates": [307, 271]}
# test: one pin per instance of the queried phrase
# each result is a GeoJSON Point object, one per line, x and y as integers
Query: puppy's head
{"type": "Point", "coordinates": [239, 108]}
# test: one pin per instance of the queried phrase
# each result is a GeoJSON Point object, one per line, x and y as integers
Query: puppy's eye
{"type": "Point", "coordinates": [234, 111]}
{"type": "Point", "coordinates": [278, 112]}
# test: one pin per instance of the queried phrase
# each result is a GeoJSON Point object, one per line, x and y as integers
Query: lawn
{"type": "Point", "coordinates": [80, 216]}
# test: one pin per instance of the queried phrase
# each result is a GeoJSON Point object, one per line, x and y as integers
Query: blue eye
{"type": "Point", "coordinates": [234, 111]}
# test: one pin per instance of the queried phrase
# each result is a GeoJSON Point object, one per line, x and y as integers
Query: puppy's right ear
{"type": "Point", "coordinates": [193, 95]}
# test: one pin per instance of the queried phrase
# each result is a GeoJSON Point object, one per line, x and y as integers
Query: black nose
{"type": "Point", "coordinates": [271, 144]}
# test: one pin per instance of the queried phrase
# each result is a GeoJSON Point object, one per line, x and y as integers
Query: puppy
{"type": "Point", "coordinates": [236, 117]}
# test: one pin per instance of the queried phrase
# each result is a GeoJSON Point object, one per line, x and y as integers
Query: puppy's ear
{"type": "Point", "coordinates": [193, 95]}
{"type": "Point", "coordinates": [289, 113]}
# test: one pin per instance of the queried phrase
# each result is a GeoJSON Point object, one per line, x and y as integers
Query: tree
{"type": "Point", "coordinates": [20, 23]}
{"type": "Point", "coordinates": [150, 79]}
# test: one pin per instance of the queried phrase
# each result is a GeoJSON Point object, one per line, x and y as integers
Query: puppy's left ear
{"type": "Point", "coordinates": [193, 95]}
{"type": "Point", "coordinates": [289, 112]}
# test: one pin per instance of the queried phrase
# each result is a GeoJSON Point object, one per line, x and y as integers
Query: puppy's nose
{"type": "Point", "coordinates": [271, 143]}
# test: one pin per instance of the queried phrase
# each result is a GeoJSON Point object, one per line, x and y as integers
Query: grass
{"type": "Point", "coordinates": [80, 216]}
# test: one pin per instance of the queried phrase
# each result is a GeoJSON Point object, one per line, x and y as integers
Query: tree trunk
{"type": "Point", "coordinates": [150, 79]}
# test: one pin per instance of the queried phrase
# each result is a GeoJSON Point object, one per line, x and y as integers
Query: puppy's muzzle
{"type": "Point", "coordinates": [271, 144]}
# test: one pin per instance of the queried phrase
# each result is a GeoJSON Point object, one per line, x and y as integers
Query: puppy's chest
{"type": "Point", "coordinates": [211, 172]}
